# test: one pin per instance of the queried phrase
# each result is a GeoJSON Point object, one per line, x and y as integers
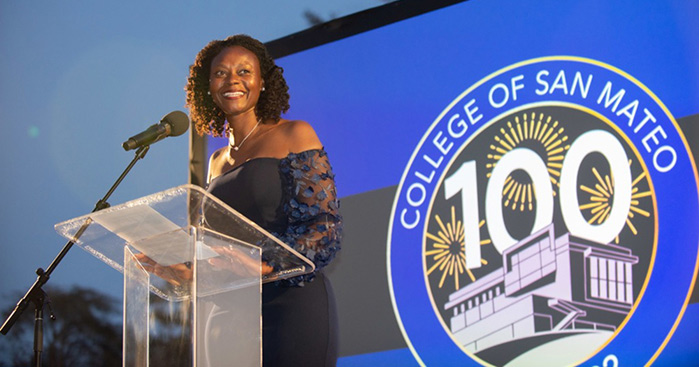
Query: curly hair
{"type": "Point", "coordinates": [207, 117]}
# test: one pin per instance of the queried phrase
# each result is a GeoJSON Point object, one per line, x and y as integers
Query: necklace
{"type": "Point", "coordinates": [236, 148]}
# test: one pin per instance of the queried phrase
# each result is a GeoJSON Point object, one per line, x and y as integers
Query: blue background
{"type": "Point", "coordinates": [372, 96]}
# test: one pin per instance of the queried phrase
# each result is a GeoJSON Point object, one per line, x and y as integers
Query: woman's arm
{"type": "Point", "coordinates": [312, 208]}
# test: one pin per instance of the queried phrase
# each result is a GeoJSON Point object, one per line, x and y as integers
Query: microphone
{"type": "Point", "coordinates": [174, 123]}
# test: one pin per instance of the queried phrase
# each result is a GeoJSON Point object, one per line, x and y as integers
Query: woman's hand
{"type": "Point", "coordinates": [176, 274]}
{"type": "Point", "coordinates": [238, 261]}
{"type": "Point", "coordinates": [230, 259]}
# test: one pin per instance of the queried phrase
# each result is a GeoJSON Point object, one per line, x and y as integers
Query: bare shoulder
{"type": "Point", "coordinates": [216, 162]}
{"type": "Point", "coordinates": [300, 136]}
{"type": "Point", "coordinates": [217, 155]}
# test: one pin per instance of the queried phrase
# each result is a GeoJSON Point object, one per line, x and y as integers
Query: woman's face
{"type": "Point", "coordinates": [235, 81]}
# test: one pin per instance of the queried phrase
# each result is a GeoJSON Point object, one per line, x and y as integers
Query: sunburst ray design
{"type": "Point", "coordinates": [449, 250]}
{"type": "Point", "coordinates": [602, 196]}
{"type": "Point", "coordinates": [531, 129]}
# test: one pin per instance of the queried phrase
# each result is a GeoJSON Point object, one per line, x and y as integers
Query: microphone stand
{"type": "Point", "coordinates": [35, 294]}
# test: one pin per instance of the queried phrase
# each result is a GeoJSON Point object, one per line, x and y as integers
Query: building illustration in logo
{"type": "Point", "coordinates": [548, 288]}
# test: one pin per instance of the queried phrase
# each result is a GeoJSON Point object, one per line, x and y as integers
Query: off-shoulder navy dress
{"type": "Point", "coordinates": [293, 198]}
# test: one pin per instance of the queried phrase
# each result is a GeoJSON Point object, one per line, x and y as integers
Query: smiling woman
{"type": "Point", "coordinates": [236, 81]}
{"type": "Point", "coordinates": [276, 173]}
{"type": "Point", "coordinates": [204, 111]}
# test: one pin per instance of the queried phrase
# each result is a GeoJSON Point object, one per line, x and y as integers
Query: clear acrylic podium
{"type": "Point", "coordinates": [202, 260]}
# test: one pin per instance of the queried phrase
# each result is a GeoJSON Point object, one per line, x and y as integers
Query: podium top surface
{"type": "Point", "coordinates": [173, 227]}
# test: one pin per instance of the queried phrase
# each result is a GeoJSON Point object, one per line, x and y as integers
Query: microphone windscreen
{"type": "Point", "coordinates": [178, 121]}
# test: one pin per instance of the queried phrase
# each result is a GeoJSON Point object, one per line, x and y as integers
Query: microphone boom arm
{"type": "Point", "coordinates": [35, 294]}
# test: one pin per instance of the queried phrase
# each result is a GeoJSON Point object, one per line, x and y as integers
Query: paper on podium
{"type": "Point", "coordinates": [136, 223]}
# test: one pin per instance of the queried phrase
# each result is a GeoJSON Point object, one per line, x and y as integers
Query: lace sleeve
{"type": "Point", "coordinates": [312, 208]}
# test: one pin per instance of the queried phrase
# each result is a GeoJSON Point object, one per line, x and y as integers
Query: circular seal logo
{"type": "Point", "coordinates": [540, 222]}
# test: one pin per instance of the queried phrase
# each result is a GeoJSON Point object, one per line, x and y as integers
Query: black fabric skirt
{"type": "Point", "coordinates": [299, 324]}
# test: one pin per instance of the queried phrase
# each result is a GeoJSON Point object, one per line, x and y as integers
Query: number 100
{"type": "Point", "coordinates": [464, 181]}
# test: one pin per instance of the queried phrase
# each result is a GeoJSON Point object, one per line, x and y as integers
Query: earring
{"type": "Point", "coordinates": [263, 89]}
{"type": "Point", "coordinates": [208, 92]}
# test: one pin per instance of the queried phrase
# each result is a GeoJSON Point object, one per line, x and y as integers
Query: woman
{"type": "Point", "coordinates": [275, 172]}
